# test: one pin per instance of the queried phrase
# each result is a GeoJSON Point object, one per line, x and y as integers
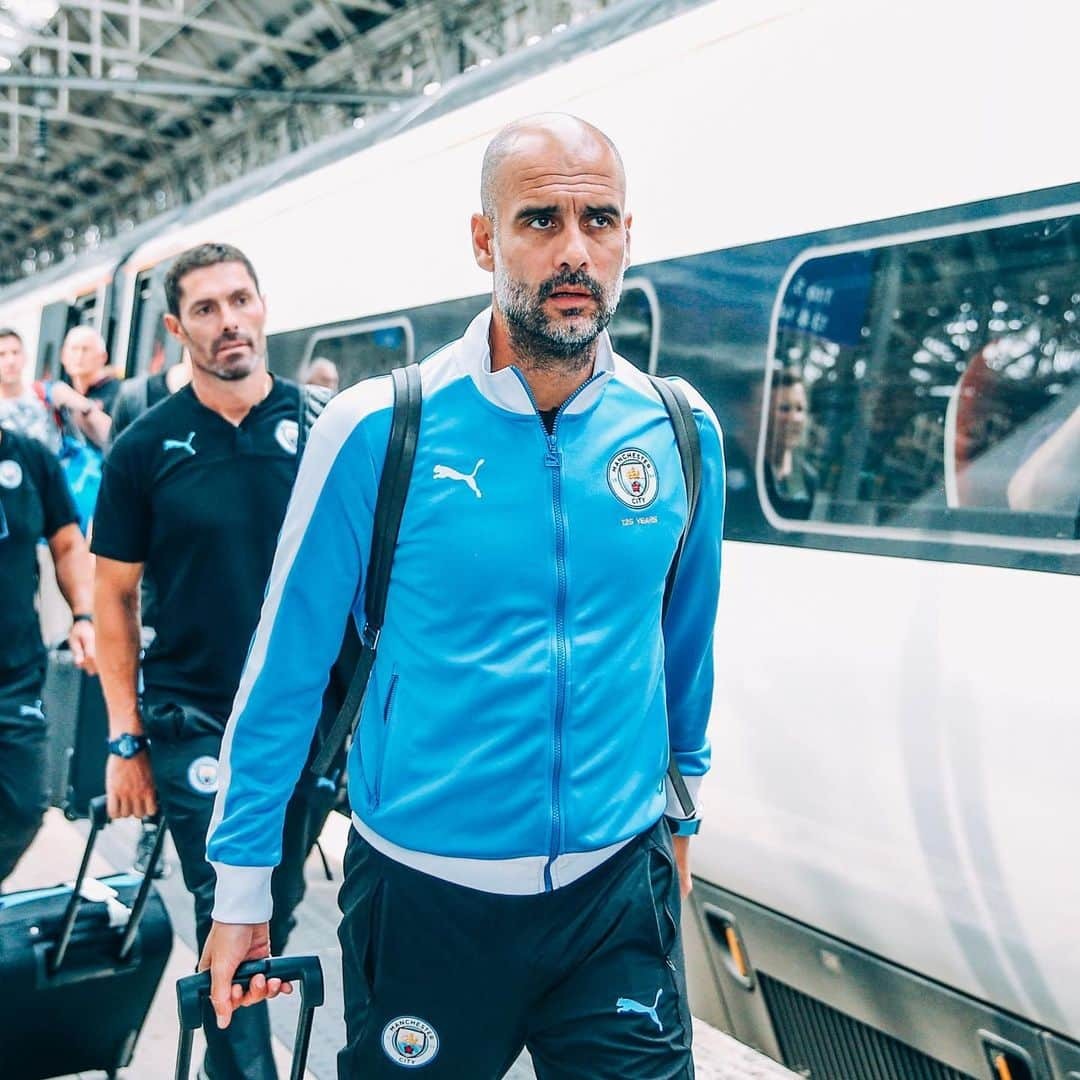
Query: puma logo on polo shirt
{"type": "Point", "coordinates": [176, 444]}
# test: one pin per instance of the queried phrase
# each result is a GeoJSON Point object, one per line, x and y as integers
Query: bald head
{"type": "Point", "coordinates": [85, 336]}
{"type": "Point", "coordinates": [83, 353]}
{"type": "Point", "coordinates": [557, 142]}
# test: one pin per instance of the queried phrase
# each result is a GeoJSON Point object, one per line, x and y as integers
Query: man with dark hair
{"type": "Point", "coordinates": [193, 495]}
{"type": "Point", "coordinates": [510, 878]}
{"type": "Point", "coordinates": [200, 258]}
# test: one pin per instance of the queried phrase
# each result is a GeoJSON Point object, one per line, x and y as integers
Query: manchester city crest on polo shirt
{"type": "Point", "coordinates": [287, 434]}
{"type": "Point", "coordinates": [410, 1042]}
{"type": "Point", "coordinates": [10, 474]}
{"type": "Point", "coordinates": [631, 475]}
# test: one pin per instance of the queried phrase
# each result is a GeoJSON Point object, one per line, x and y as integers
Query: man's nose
{"type": "Point", "coordinates": [573, 251]}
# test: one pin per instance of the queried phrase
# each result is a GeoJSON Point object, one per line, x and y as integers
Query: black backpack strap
{"type": "Point", "coordinates": [389, 507]}
{"type": "Point", "coordinates": [688, 441]}
{"type": "Point", "coordinates": [313, 399]}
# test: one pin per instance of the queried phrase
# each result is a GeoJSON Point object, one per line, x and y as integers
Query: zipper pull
{"type": "Point", "coordinates": [553, 457]}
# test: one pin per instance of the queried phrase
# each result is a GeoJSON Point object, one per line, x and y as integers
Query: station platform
{"type": "Point", "coordinates": [55, 855]}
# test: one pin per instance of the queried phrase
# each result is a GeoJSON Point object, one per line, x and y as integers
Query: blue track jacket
{"type": "Point", "coordinates": [515, 729]}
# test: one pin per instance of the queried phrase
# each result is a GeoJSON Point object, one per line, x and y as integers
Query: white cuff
{"type": "Point", "coordinates": [242, 894]}
{"type": "Point", "coordinates": [674, 807]}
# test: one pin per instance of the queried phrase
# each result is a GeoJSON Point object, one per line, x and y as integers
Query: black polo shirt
{"type": "Point", "coordinates": [200, 503]}
{"type": "Point", "coordinates": [35, 504]}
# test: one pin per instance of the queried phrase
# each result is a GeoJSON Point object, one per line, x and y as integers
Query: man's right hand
{"type": "Point", "coordinates": [228, 946]}
{"type": "Point", "coordinates": [129, 786]}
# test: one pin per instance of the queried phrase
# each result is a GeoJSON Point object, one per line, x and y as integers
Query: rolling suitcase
{"type": "Point", "coordinates": [79, 965]}
{"type": "Point", "coordinates": [78, 729]}
{"type": "Point", "coordinates": [193, 991]}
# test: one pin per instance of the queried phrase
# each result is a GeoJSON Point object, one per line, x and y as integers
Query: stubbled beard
{"type": "Point", "coordinates": [229, 370]}
{"type": "Point", "coordinates": [550, 344]}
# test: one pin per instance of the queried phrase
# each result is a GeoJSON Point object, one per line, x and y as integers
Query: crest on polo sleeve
{"type": "Point", "coordinates": [10, 474]}
{"type": "Point", "coordinates": [410, 1042]}
{"type": "Point", "coordinates": [631, 475]}
{"type": "Point", "coordinates": [287, 434]}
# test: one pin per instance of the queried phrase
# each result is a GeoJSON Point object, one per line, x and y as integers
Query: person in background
{"type": "Point", "coordinates": [193, 495]}
{"type": "Point", "coordinates": [85, 359]}
{"type": "Point", "coordinates": [35, 504]}
{"type": "Point", "coordinates": [320, 372]}
{"type": "Point", "coordinates": [790, 481]}
{"type": "Point", "coordinates": [24, 406]}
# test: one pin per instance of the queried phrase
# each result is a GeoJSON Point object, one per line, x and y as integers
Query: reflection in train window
{"type": "Point", "coordinates": [931, 384]}
{"type": "Point", "coordinates": [359, 352]}
{"type": "Point", "coordinates": [633, 328]}
{"type": "Point", "coordinates": [150, 346]}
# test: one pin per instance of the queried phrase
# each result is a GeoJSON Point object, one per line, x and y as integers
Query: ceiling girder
{"type": "Point", "coordinates": [211, 89]}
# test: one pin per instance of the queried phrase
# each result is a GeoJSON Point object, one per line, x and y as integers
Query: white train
{"type": "Point", "coordinates": [884, 197]}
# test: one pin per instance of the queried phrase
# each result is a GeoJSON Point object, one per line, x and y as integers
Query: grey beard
{"type": "Point", "coordinates": [537, 341]}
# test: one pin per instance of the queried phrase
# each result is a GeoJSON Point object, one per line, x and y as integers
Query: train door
{"type": "Point", "coordinates": [150, 347]}
{"type": "Point", "coordinates": [56, 320]}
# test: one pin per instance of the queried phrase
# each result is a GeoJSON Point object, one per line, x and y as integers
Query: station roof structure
{"type": "Point", "coordinates": [115, 111]}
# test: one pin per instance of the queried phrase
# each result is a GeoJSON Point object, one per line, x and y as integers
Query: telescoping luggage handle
{"type": "Point", "coordinates": [99, 818]}
{"type": "Point", "coordinates": [193, 990]}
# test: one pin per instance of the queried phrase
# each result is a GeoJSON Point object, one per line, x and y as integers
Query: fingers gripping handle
{"type": "Point", "coordinates": [192, 991]}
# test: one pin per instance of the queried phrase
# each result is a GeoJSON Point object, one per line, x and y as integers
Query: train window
{"type": "Point", "coordinates": [363, 349]}
{"type": "Point", "coordinates": [151, 347]}
{"type": "Point", "coordinates": [84, 308]}
{"type": "Point", "coordinates": [634, 328]}
{"type": "Point", "coordinates": [930, 385]}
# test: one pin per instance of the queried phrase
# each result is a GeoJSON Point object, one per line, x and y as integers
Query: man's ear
{"type": "Point", "coordinates": [626, 228]}
{"type": "Point", "coordinates": [483, 242]}
{"type": "Point", "coordinates": [172, 324]}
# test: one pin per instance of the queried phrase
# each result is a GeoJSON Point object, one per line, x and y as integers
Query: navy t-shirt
{"type": "Point", "coordinates": [200, 503]}
{"type": "Point", "coordinates": [35, 504]}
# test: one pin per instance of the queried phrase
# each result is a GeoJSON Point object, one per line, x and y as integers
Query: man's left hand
{"type": "Point", "coordinates": [682, 861]}
{"type": "Point", "coordinates": [83, 651]}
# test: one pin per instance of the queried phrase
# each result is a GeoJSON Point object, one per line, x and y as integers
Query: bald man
{"type": "Point", "coordinates": [511, 878]}
{"type": "Point", "coordinates": [84, 357]}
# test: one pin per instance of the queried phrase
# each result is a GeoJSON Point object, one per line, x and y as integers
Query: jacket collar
{"type": "Point", "coordinates": [506, 388]}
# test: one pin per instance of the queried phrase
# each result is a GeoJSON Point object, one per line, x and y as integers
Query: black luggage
{"type": "Point", "coordinates": [79, 966]}
{"type": "Point", "coordinates": [78, 729]}
{"type": "Point", "coordinates": [193, 992]}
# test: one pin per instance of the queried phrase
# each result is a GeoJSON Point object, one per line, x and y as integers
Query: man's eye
{"type": "Point", "coordinates": [542, 221]}
{"type": "Point", "coordinates": [602, 220]}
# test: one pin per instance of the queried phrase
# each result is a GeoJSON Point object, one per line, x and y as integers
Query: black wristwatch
{"type": "Point", "coordinates": [83, 616]}
{"type": "Point", "coordinates": [128, 745]}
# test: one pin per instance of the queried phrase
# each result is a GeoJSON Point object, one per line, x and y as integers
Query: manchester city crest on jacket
{"type": "Point", "coordinates": [631, 476]}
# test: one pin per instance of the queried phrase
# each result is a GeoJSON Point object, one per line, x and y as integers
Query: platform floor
{"type": "Point", "coordinates": [54, 857]}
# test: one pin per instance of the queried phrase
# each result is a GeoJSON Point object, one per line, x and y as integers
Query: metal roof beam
{"type": "Point", "coordinates": [197, 23]}
{"type": "Point", "coordinates": [171, 88]}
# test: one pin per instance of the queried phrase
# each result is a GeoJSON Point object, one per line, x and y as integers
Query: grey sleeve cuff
{"type": "Point", "coordinates": [242, 894]}
{"type": "Point", "coordinates": [674, 807]}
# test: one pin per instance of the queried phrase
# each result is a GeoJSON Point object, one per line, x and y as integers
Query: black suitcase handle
{"type": "Point", "coordinates": [99, 818]}
{"type": "Point", "coordinates": [192, 990]}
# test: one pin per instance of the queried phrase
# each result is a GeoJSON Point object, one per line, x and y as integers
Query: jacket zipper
{"type": "Point", "coordinates": [388, 708]}
{"type": "Point", "coordinates": [553, 461]}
